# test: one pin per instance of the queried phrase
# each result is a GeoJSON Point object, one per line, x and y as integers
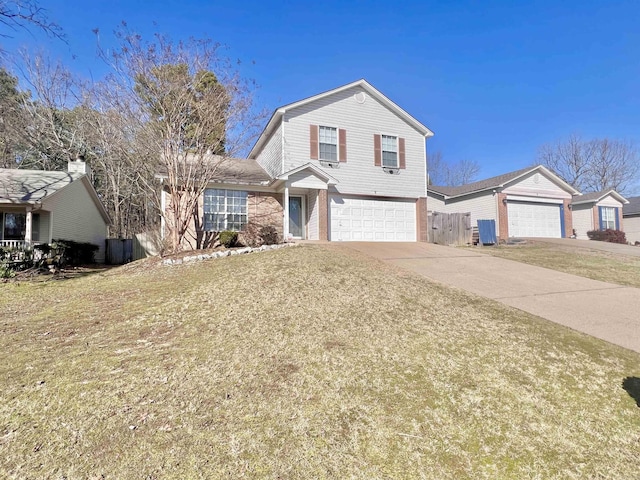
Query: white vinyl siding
{"type": "Point", "coordinates": [270, 157]}
{"type": "Point", "coordinates": [482, 206]}
{"type": "Point", "coordinates": [631, 227]}
{"type": "Point", "coordinates": [312, 216]}
{"type": "Point", "coordinates": [534, 220]}
{"type": "Point", "coordinates": [582, 220]}
{"type": "Point", "coordinates": [358, 176]}
{"type": "Point", "coordinates": [538, 185]}
{"type": "Point", "coordinates": [76, 217]}
{"type": "Point", "coordinates": [224, 210]}
{"type": "Point", "coordinates": [371, 219]}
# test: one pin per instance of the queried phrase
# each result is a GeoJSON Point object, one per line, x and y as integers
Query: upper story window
{"type": "Point", "coordinates": [608, 218]}
{"type": "Point", "coordinates": [224, 210]}
{"type": "Point", "coordinates": [389, 151]}
{"type": "Point", "coordinates": [328, 142]}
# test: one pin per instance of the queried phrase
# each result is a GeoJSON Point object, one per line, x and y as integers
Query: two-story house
{"type": "Point", "coordinates": [347, 164]}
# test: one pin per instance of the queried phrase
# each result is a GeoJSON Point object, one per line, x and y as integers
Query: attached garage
{"type": "Point", "coordinates": [372, 219]}
{"type": "Point", "coordinates": [532, 219]}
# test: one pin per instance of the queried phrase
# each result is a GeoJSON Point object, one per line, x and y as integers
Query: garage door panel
{"type": "Point", "coordinates": [372, 219]}
{"type": "Point", "coordinates": [534, 220]}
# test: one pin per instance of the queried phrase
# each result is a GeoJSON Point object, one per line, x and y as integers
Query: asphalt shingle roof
{"type": "Point", "coordinates": [31, 186]}
{"type": "Point", "coordinates": [633, 207]}
{"type": "Point", "coordinates": [492, 182]}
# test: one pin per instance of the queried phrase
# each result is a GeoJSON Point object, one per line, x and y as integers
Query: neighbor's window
{"type": "Point", "coordinates": [389, 151]}
{"type": "Point", "coordinates": [328, 140]}
{"type": "Point", "coordinates": [608, 218]}
{"type": "Point", "coordinates": [224, 210]}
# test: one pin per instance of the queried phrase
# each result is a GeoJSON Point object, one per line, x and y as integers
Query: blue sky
{"type": "Point", "coordinates": [493, 79]}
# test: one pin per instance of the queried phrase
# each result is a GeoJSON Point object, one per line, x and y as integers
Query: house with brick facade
{"type": "Point", "coordinates": [344, 165]}
{"type": "Point", "coordinates": [532, 202]}
{"type": "Point", "coordinates": [597, 211]}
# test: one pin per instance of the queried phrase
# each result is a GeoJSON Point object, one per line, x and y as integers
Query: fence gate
{"type": "Point", "coordinates": [119, 251]}
{"type": "Point", "coordinates": [449, 228]}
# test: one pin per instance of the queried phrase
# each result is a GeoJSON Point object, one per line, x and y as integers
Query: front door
{"type": "Point", "coordinates": [295, 217]}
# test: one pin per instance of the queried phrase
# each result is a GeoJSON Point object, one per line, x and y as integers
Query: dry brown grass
{"type": "Point", "coordinates": [311, 362]}
{"type": "Point", "coordinates": [594, 264]}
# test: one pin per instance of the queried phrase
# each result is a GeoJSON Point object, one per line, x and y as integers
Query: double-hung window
{"type": "Point", "coordinates": [608, 218]}
{"type": "Point", "coordinates": [389, 151]}
{"type": "Point", "coordinates": [224, 210]}
{"type": "Point", "coordinates": [328, 142]}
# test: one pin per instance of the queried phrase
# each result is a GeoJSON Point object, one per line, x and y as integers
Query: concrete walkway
{"type": "Point", "coordinates": [603, 310]}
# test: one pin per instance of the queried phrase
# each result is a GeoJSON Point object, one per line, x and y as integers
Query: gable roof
{"type": "Point", "coordinates": [315, 170]}
{"type": "Point", "coordinates": [234, 171]}
{"type": "Point", "coordinates": [498, 182]}
{"type": "Point", "coordinates": [595, 197]}
{"type": "Point", "coordinates": [362, 83]}
{"type": "Point", "coordinates": [31, 187]}
{"type": "Point", "coordinates": [633, 207]}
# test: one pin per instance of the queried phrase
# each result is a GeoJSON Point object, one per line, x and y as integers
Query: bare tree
{"type": "Point", "coordinates": [186, 111]}
{"type": "Point", "coordinates": [451, 174]}
{"type": "Point", "coordinates": [22, 14]}
{"type": "Point", "coordinates": [593, 165]}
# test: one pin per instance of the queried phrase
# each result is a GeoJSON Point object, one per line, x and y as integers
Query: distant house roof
{"type": "Point", "coordinates": [633, 207]}
{"type": "Point", "coordinates": [32, 186]}
{"type": "Point", "coordinates": [362, 83]}
{"type": "Point", "coordinates": [497, 182]}
{"type": "Point", "coordinates": [595, 197]}
{"type": "Point", "coordinates": [235, 171]}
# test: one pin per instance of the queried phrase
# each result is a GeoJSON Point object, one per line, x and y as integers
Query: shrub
{"type": "Point", "coordinates": [269, 235]}
{"type": "Point", "coordinates": [608, 235]}
{"type": "Point", "coordinates": [75, 253]}
{"type": "Point", "coordinates": [228, 238]}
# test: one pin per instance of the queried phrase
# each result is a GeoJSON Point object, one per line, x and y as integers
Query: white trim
{"type": "Point", "coordinates": [373, 92]}
{"type": "Point", "coordinates": [397, 137]}
{"type": "Point", "coordinates": [518, 198]}
{"type": "Point", "coordinates": [612, 192]}
{"type": "Point", "coordinates": [285, 214]}
{"type": "Point", "coordinates": [337, 160]}
{"type": "Point", "coordinates": [316, 170]}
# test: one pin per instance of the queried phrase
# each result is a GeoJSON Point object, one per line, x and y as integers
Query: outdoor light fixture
{"type": "Point", "coordinates": [504, 201]}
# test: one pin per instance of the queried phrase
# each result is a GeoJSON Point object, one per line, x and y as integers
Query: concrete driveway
{"type": "Point", "coordinates": [603, 310]}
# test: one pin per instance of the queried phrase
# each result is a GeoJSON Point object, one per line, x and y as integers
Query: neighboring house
{"type": "Point", "coordinates": [631, 214]}
{"type": "Point", "coordinates": [532, 202]}
{"type": "Point", "coordinates": [347, 164]}
{"type": "Point", "coordinates": [38, 206]}
{"type": "Point", "coordinates": [597, 211]}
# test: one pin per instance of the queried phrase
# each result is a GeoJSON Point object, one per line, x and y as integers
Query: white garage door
{"type": "Point", "coordinates": [534, 220]}
{"type": "Point", "coordinates": [368, 219]}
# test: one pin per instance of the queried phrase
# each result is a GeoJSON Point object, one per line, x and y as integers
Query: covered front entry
{"type": "Point", "coordinates": [533, 219]}
{"type": "Point", "coordinates": [372, 219]}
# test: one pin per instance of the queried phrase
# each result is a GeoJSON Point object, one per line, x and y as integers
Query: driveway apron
{"type": "Point", "coordinates": [604, 310]}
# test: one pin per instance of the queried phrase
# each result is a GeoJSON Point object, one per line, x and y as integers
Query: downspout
{"type": "Point", "coordinates": [282, 143]}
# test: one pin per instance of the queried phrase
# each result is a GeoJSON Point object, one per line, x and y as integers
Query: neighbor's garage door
{"type": "Point", "coordinates": [534, 219]}
{"type": "Point", "coordinates": [369, 219]}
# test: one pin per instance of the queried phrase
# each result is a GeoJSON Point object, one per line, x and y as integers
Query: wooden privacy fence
{"type": "Point", "coordinates": [449, 228]}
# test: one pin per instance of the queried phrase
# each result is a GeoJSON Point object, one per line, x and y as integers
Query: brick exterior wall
{"type": "Point", "coordinates": [596, 218]}
{"type": "Point", "coordinates": [262, 209]}
{"type": "Point", "coordinates": [323, 215]}
{"type": "Point", "coordinates": [568, 219]}
{"type": "Point", "coordinates": [503, 217]}
{"type": "Point", "coordinates": [421, 218]}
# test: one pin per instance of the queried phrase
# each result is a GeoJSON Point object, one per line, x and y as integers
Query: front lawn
{"type": "Point", "coordinates": [306, 362]}
{"type": "Point", "coordinates": [594, 264]}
